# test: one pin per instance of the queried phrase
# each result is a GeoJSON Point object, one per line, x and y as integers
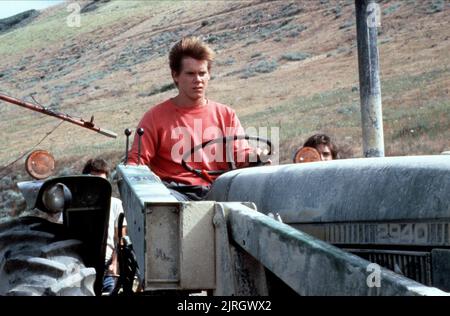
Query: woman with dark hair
{"type": "Point", "coordinates": [323, 144]}
{"type": "Point", "coordinates": [324, 149]}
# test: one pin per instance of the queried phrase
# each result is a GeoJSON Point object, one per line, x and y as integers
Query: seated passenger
{"type": "Point", "coordinates": [99, 167]}
{"type": "Point", "coordinates": [325, 150]}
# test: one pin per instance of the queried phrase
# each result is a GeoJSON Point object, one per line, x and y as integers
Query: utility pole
{"type": "Point", "coordinates": [367, 23]}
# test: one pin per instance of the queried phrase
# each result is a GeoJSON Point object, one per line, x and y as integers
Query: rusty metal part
{"type": "Point", "coordinates": [40, 164]}
{"type": "Point", "coordinates": [80, 122]}
{"type": "Point", "coordinates": [306, 154]}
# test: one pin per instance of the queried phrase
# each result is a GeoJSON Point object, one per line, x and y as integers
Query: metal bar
{"type": "Point", "coordinates": [310, 266]}
{"type": "Point", "coordinates": [127, 134]}
{"type": "Point", "coordinates": [86, 124]}
{"type": "Point", "coordinates": [140, 132]}
{"type": "Point", "coordinates": [237, 273]}
{"type": "Point", "coordinates": [367, 22]}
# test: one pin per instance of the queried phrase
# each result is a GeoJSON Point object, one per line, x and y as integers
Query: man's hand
{"type": "Point", "coordinates": [263, 156]}
{"type": "Point", "coordinates": [259, 157]}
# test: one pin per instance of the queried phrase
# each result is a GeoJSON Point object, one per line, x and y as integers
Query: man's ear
{"type": "Point", "coordinates": [175, 77]}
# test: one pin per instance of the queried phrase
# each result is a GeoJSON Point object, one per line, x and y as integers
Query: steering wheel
{"type": "Point", "coordinates": [229, 155]}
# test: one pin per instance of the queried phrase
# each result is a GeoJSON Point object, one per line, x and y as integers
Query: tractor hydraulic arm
{"type": "Point", "coordinates": [65, 117]}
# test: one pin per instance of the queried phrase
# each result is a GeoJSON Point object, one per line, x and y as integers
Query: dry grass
{"type": "Point", "coordinates": [119, 54]}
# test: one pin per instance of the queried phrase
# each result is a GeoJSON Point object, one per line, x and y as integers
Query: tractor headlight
{"type": "Point", "coordinates": [56, 198]}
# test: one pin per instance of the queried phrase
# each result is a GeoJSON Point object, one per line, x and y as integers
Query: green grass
{"type": "Point", "coordinates": [404, 83]}
{"type": "Point", "coordinates": [433, 120]}
{"type": "Point", "coordinates": [339, 110]}
{"type": "Point", "coordinates": [391, 9]}
{"type": "Point", "coordinates": [295, 56]}
{"type": "Point", "coordinates": [304, 115]}
{"type": "Point", "coordinates": [102, 145]}
{"type": "Point", "coordinates": [260, 67]}
{"type": "Point", "coordinates": [301, 105]}
{"type": "Point", "coordinates": [40, 34]}
{"type": "Point", "coordinates": [436, 6]}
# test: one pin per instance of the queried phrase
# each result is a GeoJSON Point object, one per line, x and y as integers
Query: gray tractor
{"type": "Point", "coordinates": [59, 248]}
{"type": "Point", "coordinates": [371, 226]}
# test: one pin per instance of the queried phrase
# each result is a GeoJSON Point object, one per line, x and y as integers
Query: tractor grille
{"type": "Point", "coordinates": [411, 264]}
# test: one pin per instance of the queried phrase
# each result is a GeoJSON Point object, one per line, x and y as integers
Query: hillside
{"type": "Point", "coordinates": [286, 64]}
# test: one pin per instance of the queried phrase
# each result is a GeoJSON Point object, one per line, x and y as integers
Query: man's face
{"type": "Point", "coordinates": [325, 152]}
{"type": "Point", "coordinates": [193, 78]}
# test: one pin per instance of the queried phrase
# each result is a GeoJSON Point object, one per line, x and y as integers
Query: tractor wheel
{"type": "Point", "coordinates": [36, 260]}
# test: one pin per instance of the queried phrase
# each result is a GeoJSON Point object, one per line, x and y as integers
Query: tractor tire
{"type": "Point", "coordinates": [37, 260]}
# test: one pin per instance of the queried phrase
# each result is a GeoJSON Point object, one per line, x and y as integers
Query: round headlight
{"type": "Point", "coordinates": [56, 198]}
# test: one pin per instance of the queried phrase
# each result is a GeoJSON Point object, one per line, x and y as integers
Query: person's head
{"type": "Point", "coordinates": [190, 62]}
{"type": "Point", "coordinates": [96, 167]}
{"type": "Point", "coordinates": [323, 144]}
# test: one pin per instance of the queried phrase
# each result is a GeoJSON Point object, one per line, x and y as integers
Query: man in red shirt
{"type": "Point", "coordinates": [173, 127]}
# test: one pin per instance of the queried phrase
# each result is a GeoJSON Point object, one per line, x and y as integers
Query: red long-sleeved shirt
{"type": "Point", "coordinates": [170, 131]}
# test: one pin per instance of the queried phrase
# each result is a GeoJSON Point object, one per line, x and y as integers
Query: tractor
{"type": "Point", "coordinates": [367, 226]}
